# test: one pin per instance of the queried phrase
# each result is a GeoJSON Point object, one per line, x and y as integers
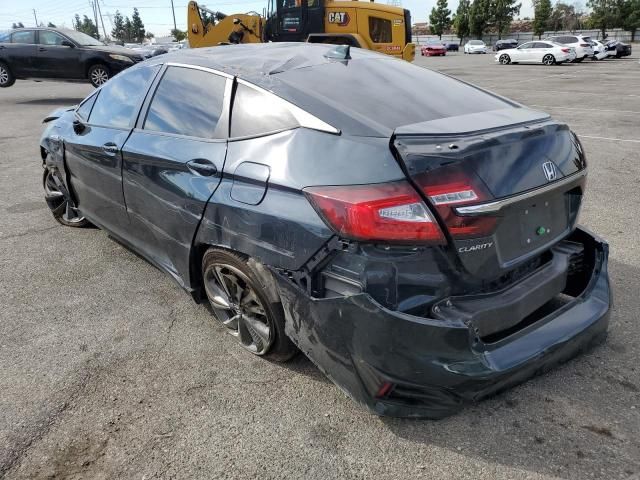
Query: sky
{"type": "Point", "coordinates": [157, 16]}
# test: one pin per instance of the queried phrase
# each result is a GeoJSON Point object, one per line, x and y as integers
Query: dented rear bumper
{"type": "Point", "coordinates": [403, 365]}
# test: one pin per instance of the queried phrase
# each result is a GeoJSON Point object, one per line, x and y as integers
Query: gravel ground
{"type": "Point", "coordinates": [109, 370]}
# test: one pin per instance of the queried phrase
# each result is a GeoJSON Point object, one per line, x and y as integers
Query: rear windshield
{"type": "Point", "coordinates": [383, 93]}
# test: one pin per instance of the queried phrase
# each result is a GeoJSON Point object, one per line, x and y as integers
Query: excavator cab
{"type": "Point", "coordinates": [294, 20]}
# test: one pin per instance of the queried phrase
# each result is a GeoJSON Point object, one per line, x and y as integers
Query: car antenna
{"type": "Point", "coordinates": [340, 52]}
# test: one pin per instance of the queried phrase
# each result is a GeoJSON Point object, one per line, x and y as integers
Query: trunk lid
{"type": "Point", "coordinates": [505, 184]}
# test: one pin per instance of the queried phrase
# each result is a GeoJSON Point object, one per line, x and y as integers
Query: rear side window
{"type": "Point", "coordinates": [187, 102]}
{"type": "Point", "coordinates": [28, 36]}
{"type": "Point", "coordinates": [84, 110]}
{"type": "Point", "coordinates": [380, 30]}
{"type": "Point", "coordinates": [571, 40]}
{"type": "Point", "coordinates": [117, 104]}
{"type": "Point", "coordinates": [542, 45]}
{"type": "Point", "coordinates": [259, 113]}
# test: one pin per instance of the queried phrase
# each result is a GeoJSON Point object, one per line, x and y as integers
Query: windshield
{"type": "Point", "coordinates": [82, 38]}
{"type": "Point", "coordinates": [476, 42]}
{"type": "Point", "coordinates": [433, 42]}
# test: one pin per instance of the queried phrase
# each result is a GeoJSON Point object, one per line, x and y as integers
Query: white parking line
{"type": "Point", "coordinates": [608, 138]}
{"type": "Point", "coordinates": [629, 112]}
{"type": "Point", "coordinates": [571, 92]}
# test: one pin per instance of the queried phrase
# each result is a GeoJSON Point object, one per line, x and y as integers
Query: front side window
{"type": "Point", "coordinates": [258, 113]}
{"type": "Point", "coordinates": [117, 103]}
{"type": "Point", "coordinates": [525, 46]}
{"type": "Point", "coordinates": [50, 38]}
{"type": "Point", "coordinates": [27, 36]}
{"type": "Point", "coordinates": [380, 30]}
{"type": "Point", "coordinates": [84, 110]}
{"type": "Point", "coordinates": [187, 102]}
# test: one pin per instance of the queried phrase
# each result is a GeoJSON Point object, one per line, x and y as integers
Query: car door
{"type": "Point", "coordinates": [93, 149]}
{"type": "Point", "coordinates": [21, 53]}
{"type": "Point", "coordinates": [56, 57]}
{"type": "Point", "coordinates": [523, 52]}
{"type": "Point", "coordinates": [173, 162]}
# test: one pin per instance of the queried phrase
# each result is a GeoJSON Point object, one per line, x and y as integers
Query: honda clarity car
{"type": "Point", "coordinates": [422, 250]}
{"type": "Point", "coordinates": [546, 53]}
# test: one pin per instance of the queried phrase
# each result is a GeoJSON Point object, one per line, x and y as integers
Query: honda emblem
{"type": "Point", "coordinates": [550, 170]}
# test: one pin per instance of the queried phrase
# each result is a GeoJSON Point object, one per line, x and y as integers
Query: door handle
{"type": "Point", "coordinates": [42, 49]}
{"type": "Point", "coordinates": [110, 148]}
{"type": "Point", "coordinates": [202, 166]}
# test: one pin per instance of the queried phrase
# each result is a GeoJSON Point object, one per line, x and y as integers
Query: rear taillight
{"type": "Point", "coordinates": [389, 212]}
{"type": "Point", "coordinates": [451, 187]}
{"type": "Point", "coordinates": [566, 50]}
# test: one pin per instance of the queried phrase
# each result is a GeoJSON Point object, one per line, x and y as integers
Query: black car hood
{"type": "Point", "coordinates": [112, 49]}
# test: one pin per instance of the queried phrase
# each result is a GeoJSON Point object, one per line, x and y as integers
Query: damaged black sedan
{"type": "Point", "coordinates": [422, 250]}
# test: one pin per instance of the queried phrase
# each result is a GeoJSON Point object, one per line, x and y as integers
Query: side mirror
{"type": "Point", "coordinates": [236, 21]}
{"type": "Point", "coordinates": [78, 126]}
{"type": "Point", "coordinates": [67, 43]}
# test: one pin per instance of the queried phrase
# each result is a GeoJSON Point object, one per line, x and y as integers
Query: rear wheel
{"type": "Point", "coordinates": [6, 77]}
{"type": "Point", "coordinates": [98, 75]}
{"type": "Point", "coordinates": [243, 298]}
{"type": "Point", "coordinates": [58, 204]}
{"type": "Point", "coordinates": [548, 60]}
{"type": "Point", "coordinates": [505, 59]}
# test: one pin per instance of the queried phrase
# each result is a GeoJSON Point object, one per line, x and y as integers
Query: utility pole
{"type": "Point", "coordinates": [174, 16]}
{"type": "Point", "coordinates": [95, 16]}
{"type": "Point", "coordinates": [36, 18]}
{"type": "Point", "coordinates": [101, 19]}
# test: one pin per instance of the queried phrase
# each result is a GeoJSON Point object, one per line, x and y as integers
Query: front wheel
{"type": "Point", "coordinates": [505, 59]}
{"type": "Point", "coordinates": [58, 204]}
{"type": "Point", "coordinates": [244, 299]}
{"type": "Point", "coordinates": [6, 77]}
{"type": "Point", "coordinates": [98, 75]}
{"type": "Point", "coordinates": [548, 60]}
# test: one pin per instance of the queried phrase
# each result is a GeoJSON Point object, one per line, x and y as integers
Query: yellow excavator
{"type": "Point", "coordinates": [383, 28]}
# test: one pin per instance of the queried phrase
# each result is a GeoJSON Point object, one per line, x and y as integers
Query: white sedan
{"type": "Point", "coordinates": [599, 50]}
{"type": "Point", "coordinates": [475, 46]}
{"type": "Point", "coordinates": [545, 52]}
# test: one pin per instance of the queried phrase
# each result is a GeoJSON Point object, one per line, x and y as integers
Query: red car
{"type": "Point", "coordinates": [431, 49]}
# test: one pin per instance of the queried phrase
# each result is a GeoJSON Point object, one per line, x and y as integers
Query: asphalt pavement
{"type": "Point", "coordinates": [109, 370]}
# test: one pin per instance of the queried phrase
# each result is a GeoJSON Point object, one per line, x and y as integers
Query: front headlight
{"type": "Point", "coordinates": [121, 58]}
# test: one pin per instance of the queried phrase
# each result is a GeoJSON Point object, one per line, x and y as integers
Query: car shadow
{"type": "Point", "coordinates": [63, 101]}
{"type": "Point", "coordinates": [575, 420]}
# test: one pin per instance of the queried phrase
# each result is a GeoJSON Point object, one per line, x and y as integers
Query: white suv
{"type": "Point", "coordinates": [581, 44]}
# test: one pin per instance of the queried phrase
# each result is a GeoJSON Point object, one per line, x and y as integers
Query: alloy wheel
{"type": "Point", "coordinates": [58, 203]}
{"type": "Point", "coordinates": [548, 60]}
{"type": "Point", "coordinates": [237, 305]}
{"type": "Point", "coordinates": [4, 75]}
{"type": "Point", "coordinates": [99, 76]}
{"type": "Point", "coordinates": [504, 60]}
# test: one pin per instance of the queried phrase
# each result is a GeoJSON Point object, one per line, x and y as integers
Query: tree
{"type": "Point", "coordinates": [604, 14]}
{"type": "Point", "coordinates": [128, 30]}
{"type": "Point", "coordinates": [440, 18]}
{"type": "Point", "coordinates": [17, 25]}
{"type": "Point", "coordinates": [86, 25]}
{"type": "Point", "coordinates": [137, 27]}
{"type": "Point", "coordinates": [542, 10]}
{"type": "Point", "coordinates": [480, 15]}
{"type": "Point", "coordinates": [461, 19]}
{"type": "Point", "coordinates": [118, 31]}
{"type": "Point", "coordinates": [503, 13]}
{"type": "Point", "coordinates": [630, 13]}
{"type": "Point", "coordinates": [149, 35]}
{"type": "Point", "coordinates": [178, 34]}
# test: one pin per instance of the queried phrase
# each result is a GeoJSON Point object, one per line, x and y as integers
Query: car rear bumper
{"type": "Point", "coordinates": [402, 365]}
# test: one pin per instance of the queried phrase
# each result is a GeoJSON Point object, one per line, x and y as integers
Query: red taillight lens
{"type": "Point", "coordinates": [451, 187]}
{"type": "Point", "coordinates": [390, 212]}
{"type": "Point", "coordinates": [566, 50]}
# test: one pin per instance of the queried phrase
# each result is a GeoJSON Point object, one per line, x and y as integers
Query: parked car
{"type": "Point", "coordinates": [475, 46]}
{"type": "Point", "coordinates": [421, 249]}
{"type": "Point", "coordinates": [599, 50]}
{"type": "Point", "coordinates": [148, 51]}
{"type": "Point", "coordinates": [580, 43]}
{"type": "Point", "coordinates": [451, 46]}
{"type": "Point", "coordinates": [547, 53]}
{"type": "Point", "coordinates": [60, 54]}
{"type": "Point", "coordinates": [433, 48]}
{"type": "Point", "coordinates": [618, 49]}
{"type": "Point", "coordinates": [505, 44]}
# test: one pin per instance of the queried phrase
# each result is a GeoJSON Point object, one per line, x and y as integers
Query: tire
{"type": "Point", "coordinates": [504, 59]}
{"type": "Point", "coordinates": [6, 77]}
{"type": "Point", "coordinates": [578, 60]}
{"type": "Point", "coordinates": [548, 60]}
{"type": "Point", "coordinates": [244, 299]}
{"type": "Point", "coordinates": [58, 204]}
{"type": "Point", "coordinates": [98, 74]}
